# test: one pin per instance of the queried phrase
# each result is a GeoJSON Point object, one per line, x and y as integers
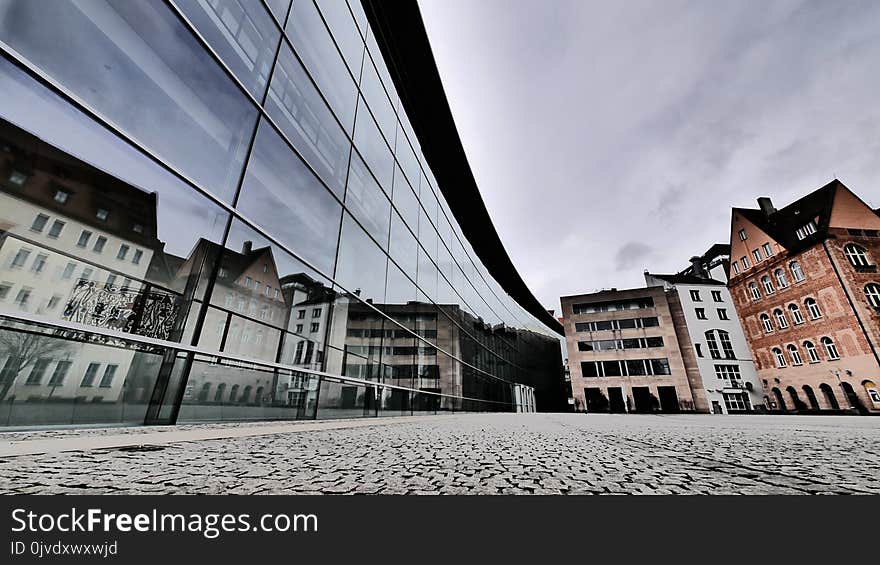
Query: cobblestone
{"type": "Point", "coordinates": [482, 454]}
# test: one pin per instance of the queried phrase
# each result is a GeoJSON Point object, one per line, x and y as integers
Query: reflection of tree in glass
{"type": "Point", "coordinates": [21, 351]}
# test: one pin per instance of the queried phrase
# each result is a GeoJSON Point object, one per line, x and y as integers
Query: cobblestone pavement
{"type": "Point", "coordinates": [486, 454]}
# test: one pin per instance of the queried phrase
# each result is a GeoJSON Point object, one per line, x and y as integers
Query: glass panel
{"type": "Point", "coordinates": [296, 106]}
{"type": "Point", "coordinates": [315, 47]}
{"type": "Point", "coordinates": [243, 35]}
{"type": "Point", "coordinates": [367, 202]}
{"type": "Point", "coordinates": [371, 145]}
{"type": "Point", "coordinates": [378, 102]}
{"type": "Point", "coordinates": [343, 400]}
{"type": "Point", "coordinates": [280, 193]}
{"type": "Point", "coordinates": [279, 9]}
{"type": "Point", "coordinates": [132, 60]}
{"type": "Point", "coordinates": [344, 30]}
{"type": "Point", "coordinates": [361, 264]}
{"type": "Point", "coordinates": [402, 246]}
{"type": "Point", "coordinates": [406, 201]}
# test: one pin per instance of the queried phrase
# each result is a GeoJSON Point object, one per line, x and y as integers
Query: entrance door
{"type": "Point", "coordinates": [668, 399]}
{"type": "Point", "coordinates": [716, 407]}
{"type": "Point", "coordinates": [643, 399]}
{"type": "Point", "coordinates": [596, 401]}
{"type": "Point", "coordinates": [615, 400]}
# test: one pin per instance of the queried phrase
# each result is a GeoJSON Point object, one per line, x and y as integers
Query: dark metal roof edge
{"type": "Point", "coordinates": [403, 40]}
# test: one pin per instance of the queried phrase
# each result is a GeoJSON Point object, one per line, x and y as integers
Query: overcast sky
{"type": "Point", "coordinates": [612, 137]}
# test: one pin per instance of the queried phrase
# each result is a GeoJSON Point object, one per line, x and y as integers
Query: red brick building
{"type": "Point", "coordinates": [806, 287]}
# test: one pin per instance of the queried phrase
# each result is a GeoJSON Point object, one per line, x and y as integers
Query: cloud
{"type": "Point", "coordinates": [631, 255]}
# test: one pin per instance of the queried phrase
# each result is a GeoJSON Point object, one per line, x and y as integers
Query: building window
{"type": "Point", "coordinates": [713, 345]}
{"type": "Point", "coordinates": [137, 228]}
{"type": "Point", "coordinates": [314, 327]}
{"type": "Point", "coordinates": [872, 293]}
{"type": "Point", "coordinates": [830, 348]}
{"type": "Point", "coordinates": [86, 274]}
{"type": "Point", "coordinates": [60, 373]}
{"type": "Point", "coordinates": [316, 313]}
{"type": "Point", "coordinates": [856, 255]}
{"type": "Point", "coordinates": [84, 238]}
{"type": "Point", "coordinates": [99, 244]}
{"type": "Point", "coordinates": [742, 235]}
{"type": "Point", "coordinates": [89, 377]}
{"type": "Point", "coordinates": [695, 296]}
{"type": "Point", "coordinates": [722, 314]}
{"type": "Point", "coordinates": [768, 285]}
{"type": "Point", "coordinates": [795, 355]}
{"type": "Point", "coordinates": [56, 228]}
{"type": "Point", "coordinates": [268, 290]}
{"type": "Point", "coordinates": [109, 373]}
{"type": "Point", "coordinates": [728, 373]}
{"type": "Point", "coordinates": [716, 296]}
{"type": "Point", "coordinates": [23, 297]}
{"type": "Point", "coordinates": [136, 259]}
{"type": "Point", "coordinates": [813, 308]}
{"type": "Point", "coordinates": [768, 252]}
{"type": "Point", "coordinates": [737, 401]}
{"type": "Point", "coordinates": [300, 314]}
{"type": "Point", "coordinates": [735, 268]}
{"type": "Point", "coordinates": [20, 258]}
{"type": "Point", "coordinates": [4, 290]}
{"type": "Point", "coordinates": [123, 251]}
{"type": "Point", "coordinates": [781, 320]}
{"type": "Point", "coordinates": [61, 196]}
{"type": "Point", "coordinates": [247, 282]}
{"type": "Point", "coordinates": [53, 302]}
{"type": "Point", "coordinates": [699, 349]}
{"type": "Point", "coordinates": [768, 325]}
{"type": "Point", "coordinates": [111, 280]}
{"type": "Point", "coordinates": [806, 230]}
{"type": "Point", "coordinates": [39, 369]}
{"type": "Point", "coordinates": [726, 344]}
{"type": "Point", "coordinates": [756, 253]}
{"type": "Point", "coordinates": [39, 222]}
{"type": "Point", "coordinates": [701, 313]}
{"type": "Point", "coordinates": [780, 358]}
{"type": "Point", "coordinates": [811, 351]}
{"type": "Point", "coordinates": [39, 263]}
{"type": "Point", "coordinates": [745, 262]}
{"type": "Point", "coordinates": [796, 271]}
{"type": "Point", "coordinates": [17, 178]}
{"type": "Point", "coordinates": [102, 214]}
{"type": "Point", "coordinates": [753, 290]}
{"type": "Point", "coordinates": [796, 314]}
{"type": "Point", "coordinates": [299, 328]}
{"type": "Point", "coordinates": [781, 278]}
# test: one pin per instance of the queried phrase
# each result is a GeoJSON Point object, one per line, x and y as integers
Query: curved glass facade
{"type": "Point", "coordinates": [217, 210]}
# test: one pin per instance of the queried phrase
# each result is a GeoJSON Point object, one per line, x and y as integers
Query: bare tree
{"type": "Point", "coordinates": [22, 350]}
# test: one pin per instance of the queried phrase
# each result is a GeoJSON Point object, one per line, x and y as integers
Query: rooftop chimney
{"type": "Point", "coordinates": [247, 247]}
{"type": "Point", "coordinates": [766, 206]}
{"type": "Point", "coordinates": [697, 267]}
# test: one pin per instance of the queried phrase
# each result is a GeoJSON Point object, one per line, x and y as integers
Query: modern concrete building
{"type": "Point", "coordinates": [203, 202]}
{"type": "Point", "coordinates": [623, 352]}
{"type": "Point", "coordinates": [806, 287]}
{"type": "Point", "coordinates": [716, 354]}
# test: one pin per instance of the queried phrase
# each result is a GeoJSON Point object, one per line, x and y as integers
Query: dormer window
{"type": "Point", "coordinates": [742, 235]}
{"type": "Point", "coordinates": [137, 228]}
{"type": "Point", "coordinates": [806, 230]}
{"type": "Point", "coordinates": [61, 196]}
{"type": "Point", "coordinates": [768, 252]}
{"type": "Point", "coordinates": [17, 178]}
{"type": "Point", "coordinates": [102, 214]}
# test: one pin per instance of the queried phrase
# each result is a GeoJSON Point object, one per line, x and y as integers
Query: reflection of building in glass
{"type": "Point", "coordinates": [217, 214]}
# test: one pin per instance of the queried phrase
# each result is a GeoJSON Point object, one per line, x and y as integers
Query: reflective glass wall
{"type": "Point", "coordinates": [218, 210]}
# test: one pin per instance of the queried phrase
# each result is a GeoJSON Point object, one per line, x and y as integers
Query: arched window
{"type": "Point", "coordinates": [796, 314]}
{"type": "Point", "coordinates": [258, 398]}
{"type": "Point", "coordinates": [795, 355]}
{"type": "Point", "coordinates": [796, 271]}
{"type": "Point", "coordinates": [829, 396]}
{"type": "Point", "coordinates": [726, 345]}
{"type": "Point", "coordinates": [781, 320]}
{"type": "Point", "coordinates": [780, 358]}
{"type": "Point", "coordinates": [768, 325]}
{"type": "Point", "coordinates": [233, 393]}
{"type": "Point", "coordinates": [768, 285]}
{"type": "Point", "coordinates": [830, 348]}
{"type": "Point", "coordinates": [753, 289]}
{"type": "Point", "coordinates": [856, 255]}
{"type": "Point", "coordinates": [781, 278]}
{"type": "Point", "coordinates": [218, 394]}
{"type": "Point", "coordinates": [811, 397]}
{"type": "Point", "coordinates": [203, 393]}
{"type": "Point", "coordinates": [713, 345]}
{"type": "Point", "coordinates": [245, 395]}
{"type": "Point", "coordinates": [872, 293]}
{"type": "Point", "coordinates": [811, 351]}
{"type": "Point", "coordinates": [813, 308]}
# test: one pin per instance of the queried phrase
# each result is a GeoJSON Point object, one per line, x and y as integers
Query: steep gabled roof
{"type": "Point", "coordinates": [782, 225]}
